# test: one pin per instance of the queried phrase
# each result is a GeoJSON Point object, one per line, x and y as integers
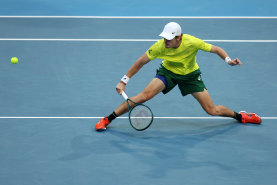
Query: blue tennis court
{"type": "Point", "coordinates": [65, 82]}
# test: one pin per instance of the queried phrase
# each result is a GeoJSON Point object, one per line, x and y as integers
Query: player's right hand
{"type": "Point", "coordinates": [120, 87]}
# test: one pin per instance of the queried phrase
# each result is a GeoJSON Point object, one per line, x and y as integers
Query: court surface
{"type": "Point", "coordinates": [65, 81]}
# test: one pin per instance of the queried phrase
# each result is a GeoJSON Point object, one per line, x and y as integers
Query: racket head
{"type": "Point", "coordinates": [140, 117]}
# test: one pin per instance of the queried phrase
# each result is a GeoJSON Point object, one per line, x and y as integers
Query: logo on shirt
{"type": "Point", "coordinates": [149, 51]}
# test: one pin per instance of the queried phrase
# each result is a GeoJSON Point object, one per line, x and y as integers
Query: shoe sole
{"type": "Point", "coordinates": [100, 130]}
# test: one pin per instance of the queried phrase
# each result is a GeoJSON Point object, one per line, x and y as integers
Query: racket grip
{"type": "Point", "coordinates": [124, 95]}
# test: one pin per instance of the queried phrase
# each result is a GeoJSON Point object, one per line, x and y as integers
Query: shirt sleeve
{"type": "Point", "coordinates": [200, 44]}
{"type": "Point", "coordinates": [154, 51]}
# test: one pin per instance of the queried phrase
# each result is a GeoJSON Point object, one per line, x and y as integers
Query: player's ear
{"type": "Point", "coordinates": [179, 37]}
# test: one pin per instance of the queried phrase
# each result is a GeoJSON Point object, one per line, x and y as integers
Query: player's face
{"type": "Point", "coordinates": [171, 43]}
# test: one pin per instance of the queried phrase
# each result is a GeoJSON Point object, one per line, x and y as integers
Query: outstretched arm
{"type": "Point", "coordinates": [141, 61]}
{"type": "Point", "coordinates": [222, 53]}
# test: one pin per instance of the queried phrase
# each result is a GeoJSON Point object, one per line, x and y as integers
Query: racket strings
{"type": "Point", "coordinates": [141, 117]}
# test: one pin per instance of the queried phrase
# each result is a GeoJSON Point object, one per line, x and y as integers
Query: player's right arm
{"type": "Point", "coordinates": [141, 61]}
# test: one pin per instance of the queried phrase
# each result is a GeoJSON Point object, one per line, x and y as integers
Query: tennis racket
{"type": "Point", "coordinates": [140, 115]}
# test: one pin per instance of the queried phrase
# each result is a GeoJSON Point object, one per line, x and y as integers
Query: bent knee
{"type": "Point", "coordinates": [144, 96]}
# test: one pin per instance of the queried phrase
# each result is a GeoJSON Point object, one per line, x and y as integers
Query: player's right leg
{"type": "Point", "coordinates": [151, 90]}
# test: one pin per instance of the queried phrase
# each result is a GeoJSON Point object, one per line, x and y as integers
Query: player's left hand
{"type": "Point", "coordinates": [235, 62]}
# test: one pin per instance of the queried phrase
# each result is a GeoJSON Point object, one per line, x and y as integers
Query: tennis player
{"type": "Point", "coordinates": [178, 67]}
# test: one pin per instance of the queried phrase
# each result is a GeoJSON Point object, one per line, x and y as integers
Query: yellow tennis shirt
{"type": "Point", "coordinates": [181, 60]}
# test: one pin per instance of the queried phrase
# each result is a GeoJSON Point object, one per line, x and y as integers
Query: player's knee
{"type": "Point", "coordinates": [211, 111]}
{"type": "Point", "coordinates": [144, 96]}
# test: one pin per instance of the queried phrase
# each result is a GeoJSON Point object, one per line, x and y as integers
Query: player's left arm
{"type": "Point", "coordinates": [222, 53]}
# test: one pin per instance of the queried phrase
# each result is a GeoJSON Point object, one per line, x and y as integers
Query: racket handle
{"type": "Point", "coordinates": [124, 95]}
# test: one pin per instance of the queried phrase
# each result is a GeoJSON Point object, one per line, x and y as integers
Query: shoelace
{"type": "Point", "coordinates": [252, 116]}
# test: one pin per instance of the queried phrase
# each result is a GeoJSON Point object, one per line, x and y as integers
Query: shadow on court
{"type": "Point", "coordinates": [68, 151]}
{"type": "Point", "coordinates": [164, 147]}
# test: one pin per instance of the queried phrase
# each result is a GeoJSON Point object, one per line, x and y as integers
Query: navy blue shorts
{"type": "Point", "coordinates": [162, 78]}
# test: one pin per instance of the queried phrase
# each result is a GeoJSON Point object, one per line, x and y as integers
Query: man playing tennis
{"type": "Point", "coordinates": [178, 67]}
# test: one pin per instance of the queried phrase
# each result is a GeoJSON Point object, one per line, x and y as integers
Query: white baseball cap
{"type": "Point", "coordinates": [171, 30]}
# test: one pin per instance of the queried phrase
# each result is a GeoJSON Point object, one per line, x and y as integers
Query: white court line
{"type": "Point", "coordinates": [125, 40]}
{"type": "Point", "coordinates": [146, 17]}
{"type": "Point", "coordinates": [79, 40]}
{"type": "Point", "coordinates": [15, 117]}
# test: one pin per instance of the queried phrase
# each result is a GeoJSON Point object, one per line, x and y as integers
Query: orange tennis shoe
{"type": "Point", "coordinates": [102, 124]}
{"type": "Point", "coordinates": [250, 118]}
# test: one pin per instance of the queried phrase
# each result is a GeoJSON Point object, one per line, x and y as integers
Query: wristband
{"type": "Point", "coordinates": [125, 79]}
{"type": "Point", "coordinates": [227, 59]}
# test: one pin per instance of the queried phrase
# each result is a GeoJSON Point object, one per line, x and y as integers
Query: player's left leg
{"type": "Point", "coordinates": [219, 110]}
{"type": "Point", "coordinates": [207, 104]}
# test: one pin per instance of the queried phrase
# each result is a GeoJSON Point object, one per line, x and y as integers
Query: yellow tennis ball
{"type": "Point", "coordinates": [14, 60]}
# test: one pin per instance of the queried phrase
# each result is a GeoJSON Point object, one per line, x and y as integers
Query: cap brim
{"type": "Point", "coordinates": [167, 36]}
